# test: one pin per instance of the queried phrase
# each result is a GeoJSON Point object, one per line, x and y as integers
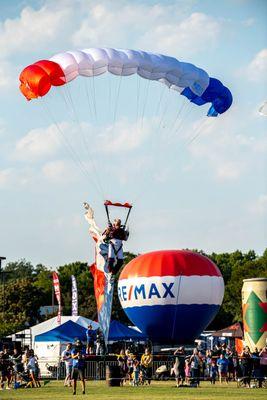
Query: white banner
{"type": "Point", "coordinates": [74, 297]}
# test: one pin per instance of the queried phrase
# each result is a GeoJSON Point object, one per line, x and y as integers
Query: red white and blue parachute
{"type": "Point", "coordinates": [189, 80]}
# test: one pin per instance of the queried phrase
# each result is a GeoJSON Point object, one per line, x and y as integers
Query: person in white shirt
{"type": "Point", "coordinates": [33, 369]}
{"type": "Point", "coordinates": [67, 358]}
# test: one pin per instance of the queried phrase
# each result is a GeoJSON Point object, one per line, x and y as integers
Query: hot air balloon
{"type": "Point", "coordinates": [171, 295]}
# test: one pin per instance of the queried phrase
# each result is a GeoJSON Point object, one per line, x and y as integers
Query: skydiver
{"type": "Point", "coordinates": [114, 235]}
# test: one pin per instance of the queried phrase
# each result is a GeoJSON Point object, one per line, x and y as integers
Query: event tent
{"type": "Point", "coordinates": [232, 331]}
{"type": "Point", "coordinates": [49, 345]}
{"type": "Point", "coordinates": [67, 332]}
{"type": "Point", "coordinates": [51, 324]}
{"type": "Point", "coordinates": [119, 331]}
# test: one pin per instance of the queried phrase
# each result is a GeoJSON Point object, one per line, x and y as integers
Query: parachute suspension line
{"type": "Point", "coordinates": [198, 131]}
{"type": "Point", "coordinates": [92, 90]}
{"type": "Point", "coordinates": [184, 113]}
{"type": "Point", "coordinates": [70, 149]}
{"type": "Point", "coordinates": [116, 103]}
{"type": "Point", "coordinates": [163, 91]}
{"type": "Point", "coordinates": [109, 91]}
{"type": "Point", "coordinates": [88, 100]}
{"type": "Point", "coordinates": [173, 124]}
{"type": "Point", "coordinates": [176, 304]}
{"type": "Point", "coordinates": [163, 115]}
{"type": "Point", "coordinates": [85, 143]}
{"type": "Point", "coordinates": [164, 101]}
{"type": "Point", "coordinates": [63, 95]}
{"type": "Point", "coordinates": [154, 139]}
{"type": "Point", "coordinates": [94, 97]}
{"type": "Point", "coordinates": [145, 102]}
{"type": "Point", "coordinates": [138, 84]}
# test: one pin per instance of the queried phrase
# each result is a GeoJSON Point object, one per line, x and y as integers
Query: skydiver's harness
{"type": "Point", "coordinates": [123, 227]}
{"type": "Point", "coordinates": [116, 251]}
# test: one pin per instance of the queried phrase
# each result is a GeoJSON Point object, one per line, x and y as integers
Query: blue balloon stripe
{"type": "Point", "coordinates": [172, 323]}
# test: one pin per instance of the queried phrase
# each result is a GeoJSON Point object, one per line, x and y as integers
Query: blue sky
{"type": "Point", "coordinates": [211, 194]}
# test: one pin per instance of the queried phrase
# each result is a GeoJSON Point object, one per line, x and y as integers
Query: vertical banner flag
{"type": "Point", "coordinates": [58, 295]}
{"type": "Point", "coordinates": [103, 282]}
{"type": "Point", "coordinates": [74, 297]}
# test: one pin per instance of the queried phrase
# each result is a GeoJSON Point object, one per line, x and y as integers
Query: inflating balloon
{"type": "Point", "coordinates": [171, 295]}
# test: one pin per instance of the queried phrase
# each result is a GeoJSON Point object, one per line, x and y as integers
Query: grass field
{"type": "Point", "coordinates": [158, 390]}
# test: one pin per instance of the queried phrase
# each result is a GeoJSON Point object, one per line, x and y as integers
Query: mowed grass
{"type": "Point", "coordinates": [158, 390]}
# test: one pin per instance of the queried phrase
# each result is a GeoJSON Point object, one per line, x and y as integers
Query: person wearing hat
{"type": "Point", "coordinates": [78, 354]}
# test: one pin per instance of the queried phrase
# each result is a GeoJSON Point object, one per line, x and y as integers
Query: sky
{"type": "Point", "coordinates": [194, 181]}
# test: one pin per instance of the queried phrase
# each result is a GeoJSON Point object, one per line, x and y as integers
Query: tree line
{"type": "Point", "coordinates": [25, 288]}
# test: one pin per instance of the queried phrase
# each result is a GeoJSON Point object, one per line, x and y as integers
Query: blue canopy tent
{"type": "Point", "coordinates": [119, 331]}
{"type": "Point", "coordinates": [67, 332]}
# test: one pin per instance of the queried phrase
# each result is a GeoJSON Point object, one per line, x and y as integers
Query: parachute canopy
{"type": "Point", "coordinates": [189, 80]}
{"type": "Point", "coordinates": [216, 93]}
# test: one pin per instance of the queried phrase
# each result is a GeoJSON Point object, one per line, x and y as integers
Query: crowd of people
{"type": "Point", "coordinates": [136, 370]}
{"type": "Point", "coordinates": [18, 369]}
{"type": "Point", "coordinates": [220, 364]}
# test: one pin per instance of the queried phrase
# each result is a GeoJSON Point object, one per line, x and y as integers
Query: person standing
{"type": "Point", "coordinates": [222, 364]}
{"type": "Point", "coordinates": [213, 372]}
{"type": "Point", "coordinates": [17, 363]}
{"type": "Point", "coordinates": [246, 365]}
{"type": "Point", "coordinates": [33, 369]}
{"type": "Point", "coordinates": [100, 343]}
{"type": "Point", "coordinates": [146, 364]}
{"type": "Point", "coordinates": [78, 355]}
{"type": "Point", "coordinates": [263, 365]}
{"type": "Point", "coordinates": [179, 366]}
{"type": "Point", "coordinates": [67, 358]}
{"type": "Point", "coordinates": [194, 366]}
{"type": "Point", "coordinates": [5, 365]}
{"type": "Point", "coordinates": [90, 340]}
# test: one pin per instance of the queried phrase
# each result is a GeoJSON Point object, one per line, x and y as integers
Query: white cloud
{"type": "Point", "coordinates": [33, 29]}
{"type": "Point", "coordinates": [191, 35]}
{"type": "Point", "coordinates": [58, 171]}
{"type": "Point", "coordinates": [229, 170]}
{"type": "Point", "coordinates": [249, 22]}
{"type": "Point", "coordinates": [13, 177]}
{"type": "Point", "coordinates": [256, 70]}
{"type": "Point", "coordinates": [7, 75]}
{"type": "Point", "coordinates": [162, 28]}
{"type": "Point", "coordinates": [224, 147]}
{"type": "Point", "coordinates": [124, 135]}
{"type": "Point", "coordinates": [259, 207]}
{"type": "Point", "coordinates": [5, 176]}
{"type": "Point", "coordinates": [38, 143]}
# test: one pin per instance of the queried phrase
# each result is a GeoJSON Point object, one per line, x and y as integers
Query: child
{"type": "Point", "coordinates": [187, 371]}
{"type": "Point", "coordinates": [136, 372]}
{"type": "Point", "coordinates": [213, 372]}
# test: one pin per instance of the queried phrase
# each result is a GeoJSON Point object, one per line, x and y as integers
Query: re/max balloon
{"type": "Point", "coordinates": [171, 295]}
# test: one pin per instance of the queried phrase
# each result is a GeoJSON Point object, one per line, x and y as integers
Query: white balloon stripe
{"type": "Point", "coordinates": [157, 290]}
